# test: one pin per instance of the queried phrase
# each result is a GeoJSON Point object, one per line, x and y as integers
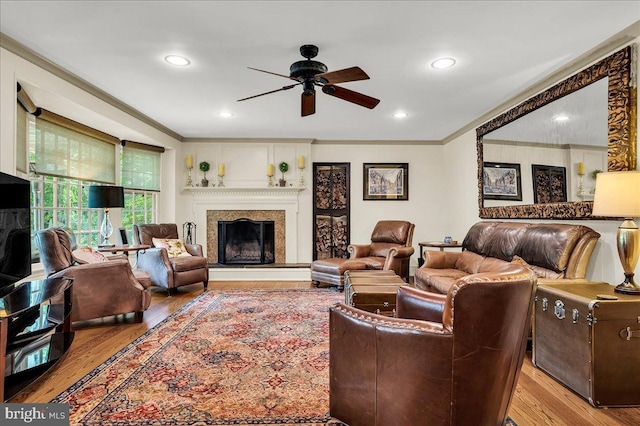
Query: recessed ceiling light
{"type": "Point", "coordinates": [561, 117]}
{"type": "Point", "coordinates": [177, 60]}
{"type": "Point", "coordinates": [443, 63]}
{"type": "Point", "coordinates": [225, 114]}
{"type": "Point", "coordinates": [400, 114]}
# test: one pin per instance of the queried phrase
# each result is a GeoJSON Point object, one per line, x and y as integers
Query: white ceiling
{"type": "Point", "coordinates": [501, 48]}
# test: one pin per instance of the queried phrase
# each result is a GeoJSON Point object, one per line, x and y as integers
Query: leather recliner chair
{"type": "Point", "coordinates": [165, 271]}
{"type": "Point", "coordinates": [390, 249]}
{"type": "Point", "coordinates": [449, 359]}
{"type": "Point", "coordinates": [99, 289]}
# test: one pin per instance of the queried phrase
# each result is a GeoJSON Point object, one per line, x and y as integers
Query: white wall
{"type": "Point", "coordinates": [461, 154]}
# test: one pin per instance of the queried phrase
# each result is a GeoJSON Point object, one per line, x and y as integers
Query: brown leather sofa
{"type": "Point", "coordinates": [99, 289]}
{"type": "Point", "coordinates": [446, 359]}
{"type": "Point", "coordinates": [553, 251]}
{"type": "Point", "coordinates": [390, 249]}
{"type": "Point", "coordinates": [165, 271]}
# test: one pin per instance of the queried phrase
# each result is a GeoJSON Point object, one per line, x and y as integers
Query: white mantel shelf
{"type": "Point", "coordinates": [248, 190]}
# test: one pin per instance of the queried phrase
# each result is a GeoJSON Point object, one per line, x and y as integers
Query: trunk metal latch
{"type": "Point", "coordinates": [559, 309]}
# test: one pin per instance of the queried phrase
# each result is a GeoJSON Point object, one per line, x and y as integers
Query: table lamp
{"type": "Point", "coordinates": [617, 194]}
{"type": "Point", "coordinates": [102, 196]}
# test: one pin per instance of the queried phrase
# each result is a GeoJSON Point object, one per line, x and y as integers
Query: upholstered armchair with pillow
{"type": "Point", "coordinates": [389, 250]}
{"type": "Point", "coordinates": [101, 286]}
{"type": "Point", "coordinates": [170, 262]}
{"type": "Point", "coordinates": [447, 359]}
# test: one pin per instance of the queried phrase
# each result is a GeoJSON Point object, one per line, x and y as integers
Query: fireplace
{"type": "Point", "coordinates": [245, 241]}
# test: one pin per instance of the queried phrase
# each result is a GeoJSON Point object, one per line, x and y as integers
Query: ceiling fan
{"type": "Point", "coordinates": [310, 74]}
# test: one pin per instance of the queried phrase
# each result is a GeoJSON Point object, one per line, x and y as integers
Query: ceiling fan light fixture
{"type": "Point", "coordinates": [177, 60]}
{"type": "Point", "coordinates": [443, 63]}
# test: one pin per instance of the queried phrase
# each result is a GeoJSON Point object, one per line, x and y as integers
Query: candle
{"type": "Point", "coordinates": [581, 168]}
{"type": "Point", "coordinates": [301, 162]}
{"type": "Point", "coordinates": [270, 169]}
{"type": "Point", "coordinates": [188, 162]}
{"type": "Point", "coordinates": [220, 169]}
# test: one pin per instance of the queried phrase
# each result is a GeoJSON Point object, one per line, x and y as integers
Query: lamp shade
{"type": "Point", "coordinates": [617, 194]}
{"type": "Point", "coordinates": [102, 196]}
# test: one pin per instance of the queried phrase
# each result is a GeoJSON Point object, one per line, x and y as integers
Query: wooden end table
{"type": "Point", "coordinates": [435, 244]}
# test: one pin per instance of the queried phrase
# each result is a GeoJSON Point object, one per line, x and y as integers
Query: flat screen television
{"type": "Point", "coordinates": [15, 230]}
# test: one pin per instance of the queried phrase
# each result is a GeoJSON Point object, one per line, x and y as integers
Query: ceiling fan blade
{"type": "Point", "coordinates": [273, 91]}
{"type": "Point", "coordinates": [351, 96]}
{"type": "Point", "coordinates": [308, 104]}
{"type": "Point", "coordinates": [274, 73]}
{"type": "Point", "coordinates": [343, 76]}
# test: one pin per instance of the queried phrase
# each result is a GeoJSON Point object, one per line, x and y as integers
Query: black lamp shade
{"type": "Point", "coordinates": [102, 196]}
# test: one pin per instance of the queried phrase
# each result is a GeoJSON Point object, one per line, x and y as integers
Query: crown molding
{"type": "Point", "coordinates": [29, 55]}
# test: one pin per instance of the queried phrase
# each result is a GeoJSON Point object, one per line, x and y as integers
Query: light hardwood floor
{"type": "Point", "coordinates": [539, 399]}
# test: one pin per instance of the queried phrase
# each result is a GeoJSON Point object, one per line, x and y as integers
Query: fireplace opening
{"type": "Point", "coordinates": [245, 241]}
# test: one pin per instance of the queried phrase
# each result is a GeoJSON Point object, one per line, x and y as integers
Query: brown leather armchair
{"type": "Point", "coordinates": [165, 271]}
{"type": "Point", "coordinates": [99, 289]}
{"type": "Point", "coordinates": [390, 249]}
{"type": "Point", "coordinates": [449, 359]}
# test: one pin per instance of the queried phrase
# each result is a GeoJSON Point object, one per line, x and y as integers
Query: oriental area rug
{"type": "Point", "coordinates": [250, 357]}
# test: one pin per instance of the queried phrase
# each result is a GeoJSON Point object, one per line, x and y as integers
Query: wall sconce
{"type": "Point", "coordinates": [616, 195]}
{"type": "Point", "coordinates": [102, 196]}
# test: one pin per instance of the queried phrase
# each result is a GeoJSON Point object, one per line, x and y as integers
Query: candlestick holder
{"type": "Point", "coordinates": [301, 176]}
{"type": "Point", "coordinates": [270, 181]}
{"type": "Point", "coordinates": [189, 181]}
{"type": "Point", "coordinates": [581, 187]}
{"type": "Point", "coordinates": [220, 182]}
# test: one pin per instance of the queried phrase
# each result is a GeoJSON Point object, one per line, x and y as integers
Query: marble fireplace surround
{"type": "Point", "coordinates": [277, 204]}
{"type": "Point", "coordinates": [215, 216]}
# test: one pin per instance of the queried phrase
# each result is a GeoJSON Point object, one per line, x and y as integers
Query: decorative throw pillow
{"type": "Point", "coordinates": [517, 260]}
{"type": "Point", "coordinates": [175, 247]}
{"type": "Point", "coordinates": [88, 255]}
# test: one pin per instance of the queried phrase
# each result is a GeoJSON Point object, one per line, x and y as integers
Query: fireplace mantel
{"type": "Point", "coordinates": [270, 191]}
{"type": "Point", "coordinates": [249, 198]}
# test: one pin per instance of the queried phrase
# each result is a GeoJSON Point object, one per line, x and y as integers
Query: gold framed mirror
{"type": "Point", "coordinates": [620, 100]}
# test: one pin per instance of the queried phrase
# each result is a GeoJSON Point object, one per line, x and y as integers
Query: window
{"type": "Point", "coordinates": [66, 157]}
{"type": "Point", "coordinates": [140, 176]}
{"type": "Point", "coordinates": [57, 201]}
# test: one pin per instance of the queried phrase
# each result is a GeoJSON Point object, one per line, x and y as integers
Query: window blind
{"type": "Point", "coordinates": [141, 166]}
{"type": "Point", "coordinates": [66, 148]}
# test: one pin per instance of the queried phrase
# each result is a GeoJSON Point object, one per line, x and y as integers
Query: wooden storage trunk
{"type": "Point", "coordinates": [378, 299]}
{"type": "Point", "coordinates": [588, 343]}
{"type": "Point", "coordinates": [372, 291]}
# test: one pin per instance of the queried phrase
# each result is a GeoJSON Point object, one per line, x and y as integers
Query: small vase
{"type": "Point", "coordinates": [282, 183]}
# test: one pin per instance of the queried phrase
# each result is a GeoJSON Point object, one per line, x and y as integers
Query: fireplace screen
{"type": "Point", "coordinates": [245, 241]}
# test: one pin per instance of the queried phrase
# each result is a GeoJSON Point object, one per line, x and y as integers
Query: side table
{"type": "Point", "coordinates": [436, 244]}
{"type": "Point", "coordinates": [35, 331]}
{"type": "Point", "coordinates": [587, 337]}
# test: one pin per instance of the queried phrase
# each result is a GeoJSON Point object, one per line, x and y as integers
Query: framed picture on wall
{"type": "Point", "coordinates": [549, 184]}
{"type": "Point", "coordinates": [501, 181]}
{"type": "Point", "coordinates": [385, 181]}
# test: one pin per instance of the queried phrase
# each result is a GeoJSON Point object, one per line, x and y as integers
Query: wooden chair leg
{"type": "Point", "coordinates": [138, 316]}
